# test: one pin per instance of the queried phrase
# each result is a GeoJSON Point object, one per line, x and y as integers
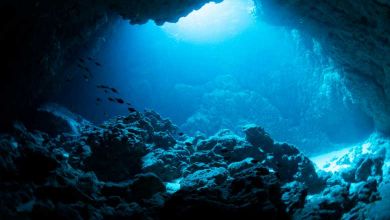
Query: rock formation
{"type": "Point", "coordinates": [356, 35]}
{"type": "Point", "coordinates": [121, 170]}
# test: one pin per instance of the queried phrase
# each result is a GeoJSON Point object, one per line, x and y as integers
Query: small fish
{"type": "Point", "coordinates": [254, 161]}
{"type": "Point", "coordinates": [131, 109]}
{"type": "Point", "coordinates": [105, 91]}
{"type": "Point", "coordinates": [102, 87]}
{"type": "Point", "coordinates": [98, 99]}
{"type": "Point", "coordinates": [98, 64]}
{"type": "Point", "coordinates": [89, 58]}
{"type": "Point", "coordinates": [119, 100]}
{"type": "Point", "coordinates": [114, 90]}
{"type": "Point", "coordinates": [86, 77]}
{"type": "Point", "coordinates": [128, 103]}
{"type": "Point", "coordinates": [87, 69]}
{"type": "Point", "coordinates": [188, 144]}
{"type": "Point", "coordinates": [111, 99]}
{"type": "Point", "coordinates": [180, 133]}
{"type": "Point", "coordinates": [81, 60]}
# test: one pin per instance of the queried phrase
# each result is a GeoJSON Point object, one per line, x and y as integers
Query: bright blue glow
{"type": "Point", "coordinates": [214, 22]}
{"type": "Point", "coordinates": [221, 67]}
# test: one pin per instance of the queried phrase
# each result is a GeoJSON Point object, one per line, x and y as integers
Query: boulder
{"type": "Point", "coordinates": [163, 140]}
{"type": "Point", "coordinates": [370, 166]}
{"type": "Point", "coordinates": [239, 152]}
{"type": "Point", "coordinates": [292, 165]}
{"type": "Point", "coordinates": [207, 178]}
{"type": "Point", "coordinates": [257, 136]}
{"type": "Point", "coordinates": [248, 195]}
{"type": "Point", "coordinates": [226, 139]}
{"type": "Point", "coordinates": [116, 156]}
{"type": "Point", "coordinates": [366, 191]}
{"type": "Point", "coordinates": [54, 120]}
{"type": "Point", "coordinates": [293, 196]}
{"type": "Point", "coordinates": [167, 164]}
{"type": "Point", "coordinates": [240, 166]}
{"type": "Point", "coordinates": [330, 204]}
{"type": "Point", "coordinates": [146, 185]}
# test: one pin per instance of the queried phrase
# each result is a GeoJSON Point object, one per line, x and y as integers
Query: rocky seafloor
{"type": "Point", "coordinates": [141, 166]}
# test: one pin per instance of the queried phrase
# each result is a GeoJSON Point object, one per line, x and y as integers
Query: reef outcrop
{"type": "Point", "coordinates": [141, 167]}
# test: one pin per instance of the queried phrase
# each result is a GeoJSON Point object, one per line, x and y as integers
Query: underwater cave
{"type": "Point", "coordinates": [191, 109]}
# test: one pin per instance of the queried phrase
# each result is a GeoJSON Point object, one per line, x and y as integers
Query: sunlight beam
{"type": "Point", "coordinates": [214, 22]}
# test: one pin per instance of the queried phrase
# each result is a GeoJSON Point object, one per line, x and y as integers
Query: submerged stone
{"type": "Point", "coordinates": [257, 136]}
{"type": "Point", "coordinates": [204, 178]}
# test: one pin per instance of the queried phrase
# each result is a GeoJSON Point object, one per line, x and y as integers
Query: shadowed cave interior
{"type": "Point", "coordinates": [194, 109]}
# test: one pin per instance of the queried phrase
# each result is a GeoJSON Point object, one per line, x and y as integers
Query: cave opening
{"type": "Point", "coordinates": [190, 109]}
{"type": "Point", "coordinates": [222, 67]}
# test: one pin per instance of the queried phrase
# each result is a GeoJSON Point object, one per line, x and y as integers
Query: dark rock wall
{"type": "Point", "coordinates": [40, 39]}
{"type": "Point", "coordinates": [160, 11]}
{"type": "Point", "coordinates": [356, 34]}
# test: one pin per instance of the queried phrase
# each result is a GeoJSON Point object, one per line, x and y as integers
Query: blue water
{"type": "Point", "coordinates": [223, 74]}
